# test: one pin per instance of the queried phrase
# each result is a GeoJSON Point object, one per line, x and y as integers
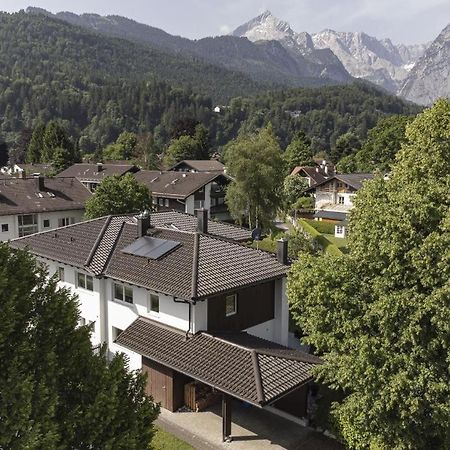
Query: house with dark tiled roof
{"type": "Point", "coordinates": [334, 198]}
{"type": "Point", "coordinates": [199, 165]}
{"type": "Point", "coordinates": [195, 309]}
{"type": "Point", "coordinates": [187, 191]}
{"type": "Point", "coordinates": [30, 205]}
{"type": "Point", "coordinates": [91, 175]}
{"type": "Point", "coordinates": [317, 174]}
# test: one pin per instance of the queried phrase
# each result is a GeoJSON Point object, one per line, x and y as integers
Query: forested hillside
{"type": "Point", "coordinates": [98, 87]}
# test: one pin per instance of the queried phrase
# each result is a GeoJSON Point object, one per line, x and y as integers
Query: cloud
{"type": "Point", "coordinates": [224, 29]}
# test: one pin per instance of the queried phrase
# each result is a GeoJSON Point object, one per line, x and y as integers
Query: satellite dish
{"type": "Point", "coordinates": [257, 234]}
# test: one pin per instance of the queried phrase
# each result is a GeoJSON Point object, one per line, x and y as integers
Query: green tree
{"type": "Point", "coordinates": [56, 393]}
{"type": "Point", "coordinates": [62, 159]}
{"type": "Point", "coordinates": [146, 151]}
{"type": "Point", "coordinates": [254, 162]}
{"type": "Point", "coordinates": [298, 153]}
{"type": "Point", "coordinates": [294, 187]}
{"type": "Point", "coordinates": [185, 147]}
{"type": "Point", "coordinates": [346, 144]}
{"type": "Point", "coordinates": [34, 149]}
{"type": "Point", "coordinates": [380, 315]}
{"type": "Point", "coordinates": [118, 195]}
{"type": "Point", "coordinates": [55, 137]}
{"type": "Point", "coordinates": [123, 148]}
{"type": "Point", "coordinates": [382, 144]}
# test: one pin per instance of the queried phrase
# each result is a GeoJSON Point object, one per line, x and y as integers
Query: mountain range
{"type": "Point", "coordinates": [270, 52]}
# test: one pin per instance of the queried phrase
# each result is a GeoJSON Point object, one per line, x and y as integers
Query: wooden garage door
{"type": "Point", "coordinates": [159, 383]}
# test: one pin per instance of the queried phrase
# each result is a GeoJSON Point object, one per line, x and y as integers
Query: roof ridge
{"type": "Point", "coordinates": [113, 247]}
{"type": "Point", "coordinates": [306, 359]}
{"type": "Point", "coordinates": [98, 240]}
{"type": "Point", "coordinates": [258, 379]}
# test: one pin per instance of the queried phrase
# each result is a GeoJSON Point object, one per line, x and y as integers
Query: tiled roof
{"type": "Point", "coordinates": [241, 365]}
{"type": "Point", "coordinates": [355, 180]}
{"type": "Point", "coordinates": [208, 165]}
{"type": "Point", "coordinates": [71, 245]}
{"type": "Point", "coordinates": [96, 172]}
{"type": "Point", "coordinates": [173, 184]}
{"type": "Point", "coordinates": [43, 169]}
{"type": "Point", "coordinates": [23, 196]}
{"type": "Point", "coordinates": [316, 174]}
{"type": "Point", "coordinates": [331, 215]}
{"type": "Point", "coordinates": [188, 222]}
{"type": "Point", "coordinates": [202, 266]}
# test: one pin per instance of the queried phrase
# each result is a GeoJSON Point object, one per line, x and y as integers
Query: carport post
{"type": "Point", "coordinates": [226, 418]}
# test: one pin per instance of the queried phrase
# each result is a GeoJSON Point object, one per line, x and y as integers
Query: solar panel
{"type": "Point", "coordinates": [150, 247]}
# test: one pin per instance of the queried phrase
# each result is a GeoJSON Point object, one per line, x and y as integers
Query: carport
{"type": "Point", "coordinates": [237, 365]}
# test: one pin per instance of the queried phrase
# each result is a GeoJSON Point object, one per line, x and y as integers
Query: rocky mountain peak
{"type": "Point", "coordinates": [265, 27]}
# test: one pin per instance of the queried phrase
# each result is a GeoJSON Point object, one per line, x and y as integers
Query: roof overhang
{"type": "Point", "coordinates": [255, 371]}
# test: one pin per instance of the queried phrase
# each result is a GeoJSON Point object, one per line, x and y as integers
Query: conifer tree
{"type": "Point", "coordinates": [55, 393]}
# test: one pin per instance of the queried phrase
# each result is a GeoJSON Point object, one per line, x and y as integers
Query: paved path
{"type": "Point", "coordinates": [252, 429]}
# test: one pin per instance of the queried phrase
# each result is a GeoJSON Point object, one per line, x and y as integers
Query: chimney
{"type": "Point", "coordinates": [22, 175]}
{"type": "Point", "coordinates": [99, 167]}
{"type": "Point", "coordinates": [40, 185]}
{"type": "Point", "coordinates": [202, 220]}
{"type": "Point", "coordinates": [143, 224]}
{"type": "Point", "coordinates": [282, 251]}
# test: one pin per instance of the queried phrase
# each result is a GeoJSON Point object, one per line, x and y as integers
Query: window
{"type": "Point", "coordinates": [153, 303]}
{"type": "Point", "coordinates": [85, 281]}
{"type": "Point", "coordinates": [61, 273]}
{"type": "Point", "coordinates": [123, 293]}
{"type": "Point", "coordinates": [230, 305]}
{"type": "Point", "coordinates": [28, 224]}
{"type": "Point", "coordinates": [161, 202]}
{"type": "Point", "coordinates": [5, 228]}
{"type": "Point", "coordinates": [46, 223]}
{"type": "Point", "coordinates": [82, 322]}
{"type": "Point", "coordinates": [341, 199]}
{"type": "Point", "coordinates": [115, 333]}
{"type": "Point", "coordinates": [166, 202]}
{"type": "Point", "coordinates": [339, 229]}
{"type": "Point", "coordinates": [198, 204]}
{"type": "Point", "coordinates": [64, 221]}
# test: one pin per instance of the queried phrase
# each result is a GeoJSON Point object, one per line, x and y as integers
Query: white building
{"type": "Point", "coordinates": [187, 191]}
{"type": "Point", "coordinates": [31, 205]}
{"type": "Point", "coordinates": [334, 199]}
{"type": "Point", "coordinates": [183, 306]}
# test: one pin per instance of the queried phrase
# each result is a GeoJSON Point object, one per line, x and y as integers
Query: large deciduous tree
{"type": "Point", "coordinates": [380, 315]}
{"type": "Point", "coordinates": [118, 195]}
{"type": "Point", "coordinates": [56, 393]}
{"type": "Point", "coordinates": [379, 151]}
{"type": "Point", "coordinates": [254, 162]}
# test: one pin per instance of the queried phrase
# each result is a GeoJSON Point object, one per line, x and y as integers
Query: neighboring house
{"type": "Point", "coordinates": [315, 174]}
{"type": "Point", "coordinates": [191, 165]}
{"type": "Point", "coordinates": [187, 191]}
{"type": "Point", "coordinates": [33, 170]}
{"type": "Point", "coordinates": [334, 198]}
{"type": "Point", "coordinates": [91, 175]}
{"type": "Point", "coordinates": [30, 205]}
{"type": "Point", "coordinates": [183, 306]}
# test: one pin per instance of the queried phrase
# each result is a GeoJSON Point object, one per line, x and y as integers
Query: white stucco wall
{"type": "Point", "coordinates": [265, 330]}
{"type": "Point", "coordinates": [13, 222]}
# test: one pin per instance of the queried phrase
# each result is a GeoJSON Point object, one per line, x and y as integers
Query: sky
{"type": "Point", "coordinates": [403, 21]}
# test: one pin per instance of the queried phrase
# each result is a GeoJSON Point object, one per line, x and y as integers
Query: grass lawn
{"type": "Point", "coordinates": [166, 441]}
{"type": "Point", "coordinates": [340, 243]}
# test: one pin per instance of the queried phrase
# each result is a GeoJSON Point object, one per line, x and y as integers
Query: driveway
{"type": "Point", "coordinates": [252, 428]}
